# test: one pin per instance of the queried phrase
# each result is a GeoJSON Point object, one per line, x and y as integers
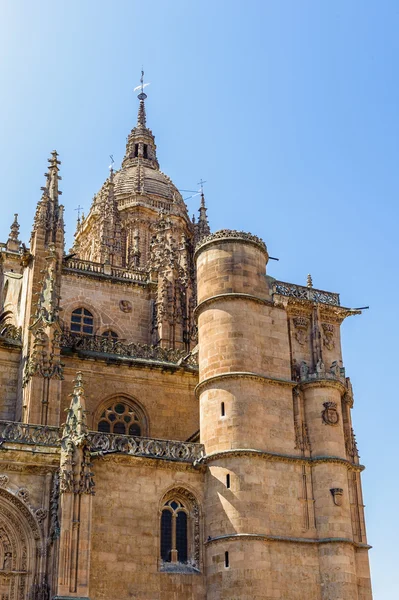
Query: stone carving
{"type": "Point", "coordinates": [22, 433]}
{"type": "Point", "coordinates": [337, 494]}
{"type": "Point", "coordinates": [229, 233]}
{"type": "Point", "coordinates": [305, 293]}
{"type": "Point", "coordinates": [23, 494]}
{"type": "Point", "coordinates": [328, 339]}
{"type": "Point", "coordinates": [54, 507]}
{"type": "Point", "coordinates": [125, 306]}
{"type": "Point", "coordinates": [43, 361]}
{"type": "Point", "coordinates": [3, 480]}
{"type": "Point", "coordinates": [330, 414]}
{"type": "Point", "coordinates": [301, 325]}
{"type": "Point", "coordinates": [105, 443]}
{"type": "Point", "coordinates": [336, 370]}
{"type": "Point", "coordinates": [75, 473]}
{"type": "Point", "coordinates": [41, 514]}
{"type": "Point", "coordinates": [106, 345]}
{"type": "Point", "coordinates": [11, 332]}
{"type": "Point", "coordinates": [351, 445]}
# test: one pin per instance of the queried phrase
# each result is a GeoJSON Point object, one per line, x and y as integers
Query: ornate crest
{"type": "Point", "coordinates": [337, 494]}
{"type": "Point", "coordinates": [330, 414]}
{"type": "Point", "coordinates": [328, 339]}
{"type": "Point", "coordinates": [301, 325]}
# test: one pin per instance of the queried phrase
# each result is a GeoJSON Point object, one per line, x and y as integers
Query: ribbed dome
{"type": "Point", "coordinates": [144, 180]}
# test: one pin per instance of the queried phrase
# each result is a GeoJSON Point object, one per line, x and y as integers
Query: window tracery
{"type": "Point", "coordinates": [122, 418]}
{"type": "Point", "coordinates": [179, 531]}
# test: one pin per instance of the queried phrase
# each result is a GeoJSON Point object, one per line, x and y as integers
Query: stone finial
{"type": "Point", "coordinates": [309, 282]}
{"type": "Point", "coordinates": [14, 229]}
{"type": "Point", "coordinates": [13, 241]}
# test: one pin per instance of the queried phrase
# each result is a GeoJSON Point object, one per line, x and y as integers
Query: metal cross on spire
{"type": "Point", "coordinates": [142, 95]}
{"type": "Point", "coordinates": [79, 208]}
{"type": "Point", "coordinates": [201, 184]}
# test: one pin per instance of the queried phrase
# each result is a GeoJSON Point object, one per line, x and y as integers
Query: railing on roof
{"type": "Point", "coordinates": [99, 269]}
{"type": "Point", "coordinates": [105, 345]}
{"type": "Point", "coordinates": [107, 443]}
{"type": "Point", "coordinates": [305, 293]}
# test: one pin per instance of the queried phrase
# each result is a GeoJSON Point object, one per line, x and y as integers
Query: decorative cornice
{"type": "Point", "coordinates": [276, 457]}
{"type": "Point", "coordinates": [229, 235]}
{"type": "Point", "coordinates": [323, 382]}
{"type": "Point", "coordinates": [170, 465]}
{"type": "Point", "coordinates": [243, 375]}
{"type": "Point", "coordinates": [236, 537]}
{"type": "Point", "coordinates": [231, 296]}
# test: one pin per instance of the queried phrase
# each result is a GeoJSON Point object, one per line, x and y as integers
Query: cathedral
{"type": "Point", "coordinates": [175, 424]}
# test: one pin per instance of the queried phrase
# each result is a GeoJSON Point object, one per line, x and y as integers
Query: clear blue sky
{"type": "Point", "coordinates": [289, 110]}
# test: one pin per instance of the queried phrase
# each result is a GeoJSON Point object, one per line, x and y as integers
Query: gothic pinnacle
{"type": "Point", "coordinates": [14, 229]}
{"type": "Point", "coordinates": [309, 282]}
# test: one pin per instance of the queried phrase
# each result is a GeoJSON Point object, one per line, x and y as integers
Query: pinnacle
{"type": "Point", "coordinates": [14, 229]}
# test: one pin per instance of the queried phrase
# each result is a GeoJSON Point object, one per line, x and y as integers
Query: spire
{"type": "Point", "coordinates": [202, 225]}
{"type": "Point", "coordinates": [141, 142]}
{"type": "Point", "coordinates": [141, 117]}
{"type": "Point", "coordinates": [14, 242]}
{"type": "Point", "coordinates": [49, 214]}
{"type": "Point", "coordinates": [309, 282]}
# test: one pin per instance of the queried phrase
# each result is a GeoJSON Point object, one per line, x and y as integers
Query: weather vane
{"type": "Point", "coordinates": [111, 166]}
{"type": "Point", "coordinates": [142, 95]}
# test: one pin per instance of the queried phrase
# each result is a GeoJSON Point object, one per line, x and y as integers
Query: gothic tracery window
{"type": "Point", "coordinates": [179, 531]}
{"type": "Point", "coordinates": [121, 418]}
{"type": "Point", "coordinates": [82, 321]}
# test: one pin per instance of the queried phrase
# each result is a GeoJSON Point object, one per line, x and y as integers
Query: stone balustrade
{"type": "Point", "coordinates": [103, 443]}
{"type": "Point", "coordinates": [23, 433]}
{"type": "Point", "coordinates": [76, 265]}
{"type": "Point", "coordinates": [305, 293]}
{"type": "Point", "coordinates": [108, 443]}
{"type": "Point", "coordinates": [104, 345]}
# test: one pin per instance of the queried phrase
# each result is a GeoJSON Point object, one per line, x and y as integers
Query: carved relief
{"type": "Point", "coordinates": [330, 414]}
{"type": "Point", "coordinates": [3, 480]}
{"type": "Point", "coordinates": [301, 326]}
{"type": "Point", "coordinates": [337, 494]}
{"type": "Point", "coordinates": [328, 338]}
{"type": "Point", "coordinates": [125, 306]}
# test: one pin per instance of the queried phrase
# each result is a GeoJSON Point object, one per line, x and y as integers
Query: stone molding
{"type": "Point", "coordinates": [242, 375]}
{"type": "Point", "coordinates": [231, 296]}
{"type": "Point", "coordinates": [237, 537]}
{"type": "Point", "coordinates": [275, 457]}
{"type": "Point", "coordinates": [230, 235]}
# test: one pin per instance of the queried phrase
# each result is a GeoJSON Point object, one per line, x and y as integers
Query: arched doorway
{"type": "Point", "coordinates": [20, 542]}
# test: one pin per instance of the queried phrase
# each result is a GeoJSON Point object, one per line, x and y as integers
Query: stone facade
{"type": "Point", "coordinates": [175, 423]}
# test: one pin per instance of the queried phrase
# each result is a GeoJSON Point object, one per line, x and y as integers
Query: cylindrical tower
{"type": "Point", "coordinates": [278, 513]}
{"type": "Point", "coordinates": [245, 412]}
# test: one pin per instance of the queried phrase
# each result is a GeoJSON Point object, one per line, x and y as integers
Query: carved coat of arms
{"type": "Point", "coordinates": [337, 494]}
{"type": "Point", "coordinates": [330, 414]}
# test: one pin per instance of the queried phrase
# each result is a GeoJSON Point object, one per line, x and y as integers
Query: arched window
{"type": "Point", "coordinates": [82, 321]}
{"type": "Point", "coordinates": [174, 540]}
{"type": "Point", "coordinates": [120, 417]}
{"type": "Point", "coordinates": [112, 335]}
{"type": "Point", "coordinates": [180, 537]}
